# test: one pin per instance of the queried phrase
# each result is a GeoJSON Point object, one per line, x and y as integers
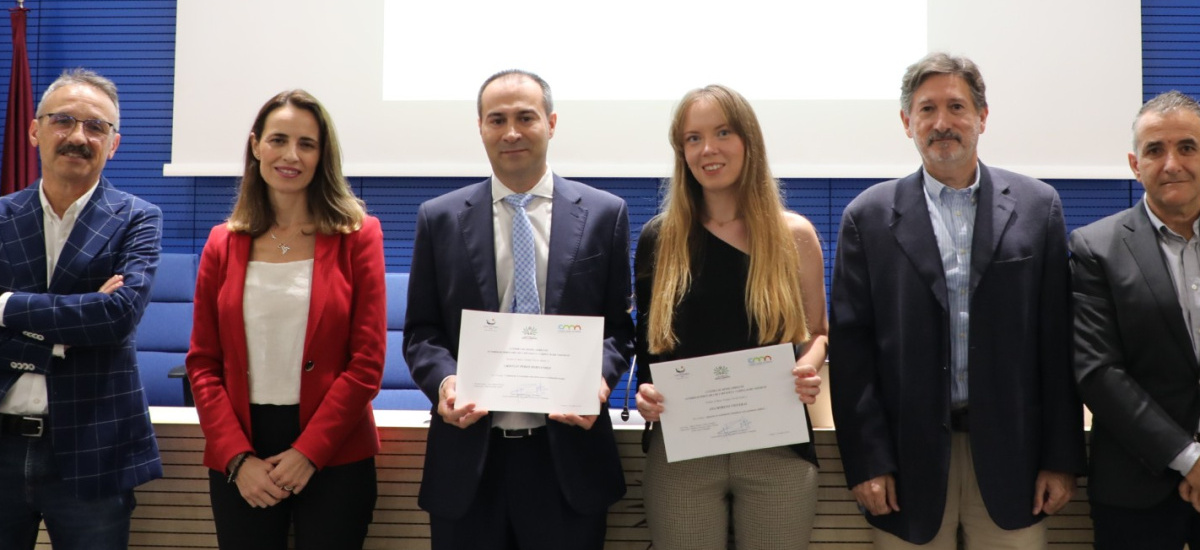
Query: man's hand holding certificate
{"type": "Point", "coordinates": [730, 402]}
{"type": "Point", "coordinates": [530, 363]}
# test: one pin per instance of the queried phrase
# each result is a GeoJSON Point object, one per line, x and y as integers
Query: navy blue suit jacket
{"type": "Point", "coordinates": [890, 349]}
{"type": "Point", "coordinates": [99, 425]}
{"type": "Point", "coordinates": [1133, 359]}
{"type": "Point", "coordinates": [454, 268]}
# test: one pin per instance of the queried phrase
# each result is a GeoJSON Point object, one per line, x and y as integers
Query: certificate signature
{"type": "Point", "coordinates": [529, 391]}
{"type": "Point", "coordinates": [730, 402]}
{"type": "Point", "coordinates": [739, 426]}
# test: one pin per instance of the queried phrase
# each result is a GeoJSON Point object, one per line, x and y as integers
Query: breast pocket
{"type": "Point", "coordinates": [588, 264]}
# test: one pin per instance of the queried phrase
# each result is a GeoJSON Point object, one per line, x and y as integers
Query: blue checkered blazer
{"type": "Point", "coordinates": [99, 426]}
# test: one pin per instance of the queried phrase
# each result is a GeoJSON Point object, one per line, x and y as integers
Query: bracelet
{"type": "Point", "coordinates": [237, 465]}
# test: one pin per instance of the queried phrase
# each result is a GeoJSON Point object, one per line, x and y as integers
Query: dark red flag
{"type": "Point", "coordinates": [20, 164]}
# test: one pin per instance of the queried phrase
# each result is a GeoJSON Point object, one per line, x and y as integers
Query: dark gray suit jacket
{"type": "Point", "coordinates": [890, 349]}
{"type": "Point", "coordinates": [454, 268]}
{"type": "Point", "coordinates": [1133, 360]}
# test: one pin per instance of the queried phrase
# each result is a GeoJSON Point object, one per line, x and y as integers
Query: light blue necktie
{"type": "Point", "coordinates": [525, 290]}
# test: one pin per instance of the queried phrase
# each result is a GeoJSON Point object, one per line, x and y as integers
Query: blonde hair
{"type": "Point", "coordinates": [331, 202]}
{"type": "Point", "coordinates": [773, 301]}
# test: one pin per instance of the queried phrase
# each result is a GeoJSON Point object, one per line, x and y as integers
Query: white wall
{"type": "Point", "coordinates": [1064, 79]}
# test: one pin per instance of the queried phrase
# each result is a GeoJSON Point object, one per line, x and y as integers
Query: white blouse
{"type": "Point", "coordinates": [275, 309]}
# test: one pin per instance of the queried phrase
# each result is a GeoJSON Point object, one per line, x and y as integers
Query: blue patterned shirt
{"type": "Point", "coordinates": [952, 212]}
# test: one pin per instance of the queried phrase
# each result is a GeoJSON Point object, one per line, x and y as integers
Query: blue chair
{"type": "Point", "coordinates": [165, 331]}
{"type": "Point", "coordinates": [399, 392]}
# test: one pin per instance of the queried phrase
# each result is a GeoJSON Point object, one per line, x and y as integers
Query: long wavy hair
{"type": "Point", "coordinates": [331, 203]}
{"type": "Point", "coordinates": [773, 302]}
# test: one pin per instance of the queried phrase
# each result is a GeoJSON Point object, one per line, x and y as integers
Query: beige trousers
{"type": "Point", "coordinates": [772, 494]}
{"type": "Point", "coordinates": [964, 506]}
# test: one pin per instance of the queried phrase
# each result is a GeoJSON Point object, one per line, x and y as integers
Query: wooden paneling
{"type": "Point", "coordinates": [174, 513]}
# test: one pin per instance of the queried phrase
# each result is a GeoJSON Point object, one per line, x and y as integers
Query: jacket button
{"type": "Point", "coordinates": [308, 366]}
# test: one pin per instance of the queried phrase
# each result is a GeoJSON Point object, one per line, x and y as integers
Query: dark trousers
{"type": "Point", "coordinates": [1167, 525]}
{"type": "Point", "coordinates": [519, 506]}
{"type": "Point", "coordinates": [31, 490]}
{"type": "Point", "coordinates": [332, 512]}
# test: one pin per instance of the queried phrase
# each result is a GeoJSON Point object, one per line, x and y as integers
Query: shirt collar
{"type": "Point", "coordinates": [543, 188]}
{"type": "Point", "coordinates": [935, 188]}
{"type": "Point", "coordinates": [1161, 227]}
{"type": "Point", "coordinates": [72, 210]}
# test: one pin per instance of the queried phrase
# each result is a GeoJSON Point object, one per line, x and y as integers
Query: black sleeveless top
{"type": "Point", "coordinates": [712, 317]}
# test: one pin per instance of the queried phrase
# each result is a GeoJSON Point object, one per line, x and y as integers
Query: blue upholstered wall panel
{"type": "Point", "coordinates": [133, 41]}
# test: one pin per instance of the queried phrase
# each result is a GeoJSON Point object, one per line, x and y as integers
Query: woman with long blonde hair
{"type": "Point", "coordinates": [725, 267]}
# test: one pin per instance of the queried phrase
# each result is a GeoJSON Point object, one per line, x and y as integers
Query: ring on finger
{"type": "Point", "coordinates": [288, 488]}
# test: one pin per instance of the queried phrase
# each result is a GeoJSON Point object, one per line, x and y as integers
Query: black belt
{"type": "Point", "coordinates": [960, 420]}
{"type": "Point", "coordinates": [28, 426]}
{"type": "Point", "coordinates": [521, 433]}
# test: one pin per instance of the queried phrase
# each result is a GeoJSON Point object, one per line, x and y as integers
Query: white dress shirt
{"type": "Point", "coordinates": [28, 394]}
{"type": "Point", "coordinates": [539, 212]}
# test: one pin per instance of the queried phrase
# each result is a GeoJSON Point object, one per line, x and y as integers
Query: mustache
{"type": "Point", "coordinates": [70, 148]}
{"type": "Point", "coordinates": [947, 134]}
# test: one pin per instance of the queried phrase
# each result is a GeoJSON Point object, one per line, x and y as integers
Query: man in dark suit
{"type": "Point", "coordinates": [76, 265]}
{"type": "Point", "coordinates": [949, 345]}
{"type": "Point", "coordinates": [513, 480]}
{"type": "Point", "coordinates": [1136, 276]}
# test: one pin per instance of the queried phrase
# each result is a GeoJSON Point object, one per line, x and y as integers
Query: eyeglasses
{"type": "Point", "coordinates": [64, 124]}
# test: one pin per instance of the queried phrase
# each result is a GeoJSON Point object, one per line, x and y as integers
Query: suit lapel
{"type": "Point", "coordinates": [23, 240]}
{"type": "Point", "coordinates": [475, 219]}
{"type": "Point", "coordinates": [324, 262]}
{"type": "Point", "coordinates": [566, 233]}
{"type": "Point", "coordinates": [914, 233]}
{"type": "Point", "coordinates": [992, 216]}
{"type": "Point", "coordinates": [234, 292]}
{"type": "Point", "coordinates": [97, 222]}
{"type": "Point", "coordinates": [1142, 244]}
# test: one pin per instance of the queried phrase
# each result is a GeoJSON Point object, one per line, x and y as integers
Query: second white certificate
{"type": "Point", "coordinates": [530, 363]}
{"type": "Point", "coordinates": [730, 402]}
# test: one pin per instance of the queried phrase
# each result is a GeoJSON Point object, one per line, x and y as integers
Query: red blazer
{"type": "Point", "coordinates": [343, 348]}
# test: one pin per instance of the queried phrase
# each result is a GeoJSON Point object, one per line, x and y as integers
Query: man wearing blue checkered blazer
{"type": "Point", "coordinates": [76, 265]}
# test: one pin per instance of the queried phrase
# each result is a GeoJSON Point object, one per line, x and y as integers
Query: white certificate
{"type": "Point", "coordinates": [530, 363]}
{"type": "Point", "coordinates": [730, 402]}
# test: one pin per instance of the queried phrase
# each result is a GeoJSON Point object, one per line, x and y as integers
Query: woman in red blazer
{"type": "Point", "coordinates": [287, 347]}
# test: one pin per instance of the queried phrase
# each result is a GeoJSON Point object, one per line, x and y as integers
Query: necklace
{"type": "Point", "coordinates": [282, 246]}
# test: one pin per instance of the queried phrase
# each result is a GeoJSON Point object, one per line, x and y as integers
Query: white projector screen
{"type": "Point", "coordinates": [400, 77]}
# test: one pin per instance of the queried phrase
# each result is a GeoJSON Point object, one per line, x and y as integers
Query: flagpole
{"type": "Point", "coordinates": [19, 166]}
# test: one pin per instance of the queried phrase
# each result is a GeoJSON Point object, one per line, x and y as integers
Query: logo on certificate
{"type": "Point", "coordinates": [489, 325]}
{"type": "Point", "coordinates": [760, 360]}
{"type": "Point", "coordinates": [681, 372]}
{"type": "Point", "coordinates": [720, 372]}
{"type": "Point", "coordinates": [564, 328]}
{"type": "Point", "coordinates": [529, 332]}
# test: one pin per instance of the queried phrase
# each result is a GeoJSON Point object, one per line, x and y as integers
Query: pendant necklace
{"type": "Point", "coordinates": [282, 246]}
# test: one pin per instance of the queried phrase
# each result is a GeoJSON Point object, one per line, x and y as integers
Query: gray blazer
{"type": "Point", "coordinates": [1133, 360]}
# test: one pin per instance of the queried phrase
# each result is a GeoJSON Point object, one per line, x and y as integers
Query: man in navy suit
{"type": "Point", "coordinates": [949, 337]}
{"type": "Point", "coordinates": [76, 265]}
{"type": "Point", "coordinates": [505, 480]}
{"type": "Point", "coordinates": [1136, 281]}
